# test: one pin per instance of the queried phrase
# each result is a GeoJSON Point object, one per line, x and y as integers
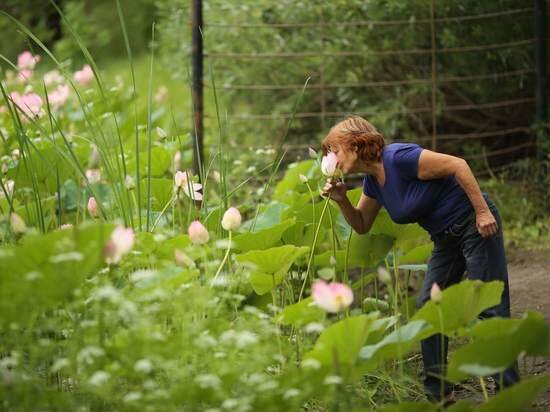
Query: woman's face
{"type": "Point", "coordinates": [347, 159]}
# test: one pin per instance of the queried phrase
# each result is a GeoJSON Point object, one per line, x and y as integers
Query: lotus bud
{"type": "Point", "coordinates": [121, 242]}
{"type": "Point", "coordinates": [303, 178]}
{"type": "Point", "coordinates": [384, 276]}
{"type": "Point", "coordinates": [93, 208]}
{"type": "Point", "coordinates": [435, 293]}
{"type": "Point", "coordinates": [197, 233]}
{"type": "Point", "coordinates": [17, 224]}
{"type": "Point", "coordinates": [231, 219]}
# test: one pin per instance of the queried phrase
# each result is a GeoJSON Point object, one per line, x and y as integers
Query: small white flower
{"type": "Point", "coordinates": [143, 366]}
{"type": "Point", "coordinates": [99, 378]}
{"type": "Point", "coordinates": [291, 393]}
{"type": "Point", "coordinates": [132, 397]}
{"type": "Point", "coordinates": [303, 178]}
{"type": "Point", "coordinates": [161, 133]}
{"type": "Point", "coordinates": [60, 364]}
{"type": "Point", "coordinates": [314, 327]}
{"type": "Point", "coordinates": [333, 380]}
{"type": "Point", "coordinates": [89, 353]}
{"type": "Point", "coordinates": [208, 380]}
{"type": "Point", "coordinates": [311, 363]}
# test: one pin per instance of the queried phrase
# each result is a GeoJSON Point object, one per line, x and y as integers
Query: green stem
{"type": "Point", "coordinates": [310, 260]}
{"type": "Point", "coordinates": [224, 260]}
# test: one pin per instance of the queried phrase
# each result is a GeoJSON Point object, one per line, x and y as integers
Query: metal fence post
{"type": "Point", "coordinates": [434, 76]}
{"type": "Point", "coordinates": [197, 84]}
{"type": "Point", "coordinates": [541, 94]}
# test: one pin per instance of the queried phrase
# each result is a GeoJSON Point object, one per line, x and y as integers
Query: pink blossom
{"type": "Point", "coordinates": [333, 297]}
{"type": "Point", "coordinates": [93, 175]}
{"type": "Point", "coordinates": [84, 76]}
{"type": "Point", "coordinates": [197, 233]}
{"type": "Point", "coordinates": [93, 209]}
{"type": "Point", "coordinates": [184, 183]}
{"type": "Point", "coordinates": [435, 293]}
{"type": "Point", "coordinates": [30, 104]}
{"type": "Point", "coordinates": [58, 97]}
{"type": "Point", "coordinates": [24, 76]}
{"type": "Point", "coordinates": [328, 164]}
{"type": "Point", "coordinates": [53, 77]}
{"type": "Point", "coordinates": [231, 219]}
{"type": "Point", "coordinates": [121, 242]}
{"type": "Point", "coordinates": [26, 60]}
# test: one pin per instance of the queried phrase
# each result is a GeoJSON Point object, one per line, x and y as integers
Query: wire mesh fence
{"type": "Point", "coordinates": [446, 123]}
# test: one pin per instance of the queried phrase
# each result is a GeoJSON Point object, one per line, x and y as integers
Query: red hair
{"type": "Point", "coordinates": [356, 134]}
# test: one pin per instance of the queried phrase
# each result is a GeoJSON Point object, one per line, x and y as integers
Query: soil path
{"type": "Point", "coordinates": [529, 276]}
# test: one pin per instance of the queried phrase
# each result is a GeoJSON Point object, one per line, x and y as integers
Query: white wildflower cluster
{"type": "Point", "coordinates": [205, 340]}
{"type": "Point", "coordinates": [208, 380]}
{"type": "Point", "coordinates": [60, 364]}
{"type": "Point", "coordinates": [107, 293]}
{"type": "Point", "coordinates": [241, 339]}
{"type": "Point", "coordinates": [99, 378]}
{"type": "Point", "coordinates": [88, 355]}
{"type": "Point", "coordinates": [144, 366]}
{"type": "Point", "coordinates": [132, 397]}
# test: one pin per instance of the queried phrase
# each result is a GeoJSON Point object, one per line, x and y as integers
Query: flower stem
{"type": "Point", "coordinates": [224, 259]}
{"type": "Point", "coordinates": [312, 252]}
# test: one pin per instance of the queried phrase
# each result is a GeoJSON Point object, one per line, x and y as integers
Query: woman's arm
{"type": "Point", "coordinates": [360, 218]}
{"type": "Point", "coordinates": [432, 165]}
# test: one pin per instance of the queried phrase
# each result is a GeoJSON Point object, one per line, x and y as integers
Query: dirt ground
{"type": "Point", "coordinates": [529, 276]}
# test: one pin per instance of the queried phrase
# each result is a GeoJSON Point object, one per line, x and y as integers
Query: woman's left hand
{"type": "Point", "coordinates": [486, 223]}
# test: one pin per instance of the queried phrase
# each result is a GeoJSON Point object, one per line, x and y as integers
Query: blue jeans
{"type": "Point", "coordinates": [457, 249]}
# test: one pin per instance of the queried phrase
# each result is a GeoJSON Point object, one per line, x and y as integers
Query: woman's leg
{"type": "Point", "coordinates": [446, 267]}
{"type": "Point", "coordinates": [486, 261]}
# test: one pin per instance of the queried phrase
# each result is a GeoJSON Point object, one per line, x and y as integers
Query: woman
{"type": "Point", "coordinates": [440, 193]}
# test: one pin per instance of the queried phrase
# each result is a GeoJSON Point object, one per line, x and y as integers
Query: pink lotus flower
{"type": "Point", "coordinates": [185, 184]}
{"type": "Point", "coordinates": [30, 104]}
{"type": "Point", "coordinates": [333, 297]}
{"type": "Point", "coordinates": [93, 175]}
{"type": "Point", "coordinates": [231, 219]}
{"type": "Point", "coordinates": [435, 293]}
{"type": "Point", "coordinates": [84, 76]}
{"type": "Point", "coordinates": [53, 77]}
{"type": "Point", "coordinates": [328, 164]}
{"type": "Point", "coordinates": [197, 233]}
{"type": "Point", "coordinates": [26, 60]}
{"type": "Point", "coordinates": [93, 208]}
{"type": "Point", "coordinates": [59, 96]}
{"type": "Point", "coordinates": [24, 76]}
{"type": "Point", "coordinates": [121, 242]}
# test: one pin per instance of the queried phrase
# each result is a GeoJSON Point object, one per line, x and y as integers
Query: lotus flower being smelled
{"type": "Point", "coordinates": [231, 219]}
{"type": "Point", "coordinates": [435, 293]}
{"type": "Point", "coordinates": [328, 164]}
{"type": "Point", "coordinates": [197, 233]}
{"type": "Point", "coordinates": [93, 208]}
{"type": "Point", "coordinates": [84, 76]}
{"type": "Point", "coordinates": [121, 242]}
{"type": "Point", "coordinates": [332, 297]}
{"type": "Point", "coordinates": [184, 183]}
{"type": "Point", "coordinates": [26, 60]}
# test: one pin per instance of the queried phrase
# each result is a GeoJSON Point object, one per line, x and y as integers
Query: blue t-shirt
{"type": "Point", "coordinates": [434, 204]}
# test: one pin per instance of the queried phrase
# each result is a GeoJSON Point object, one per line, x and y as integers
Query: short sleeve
{"type": "Point", "coordinates": [406, 160]}
{"type": "Point", "coordinates": [369, 188]}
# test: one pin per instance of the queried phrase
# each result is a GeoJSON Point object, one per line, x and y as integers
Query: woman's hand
{"type": "Point", "coordinates": [335, 189]}
{"type": "Point", "coordinates": [486, 223]}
